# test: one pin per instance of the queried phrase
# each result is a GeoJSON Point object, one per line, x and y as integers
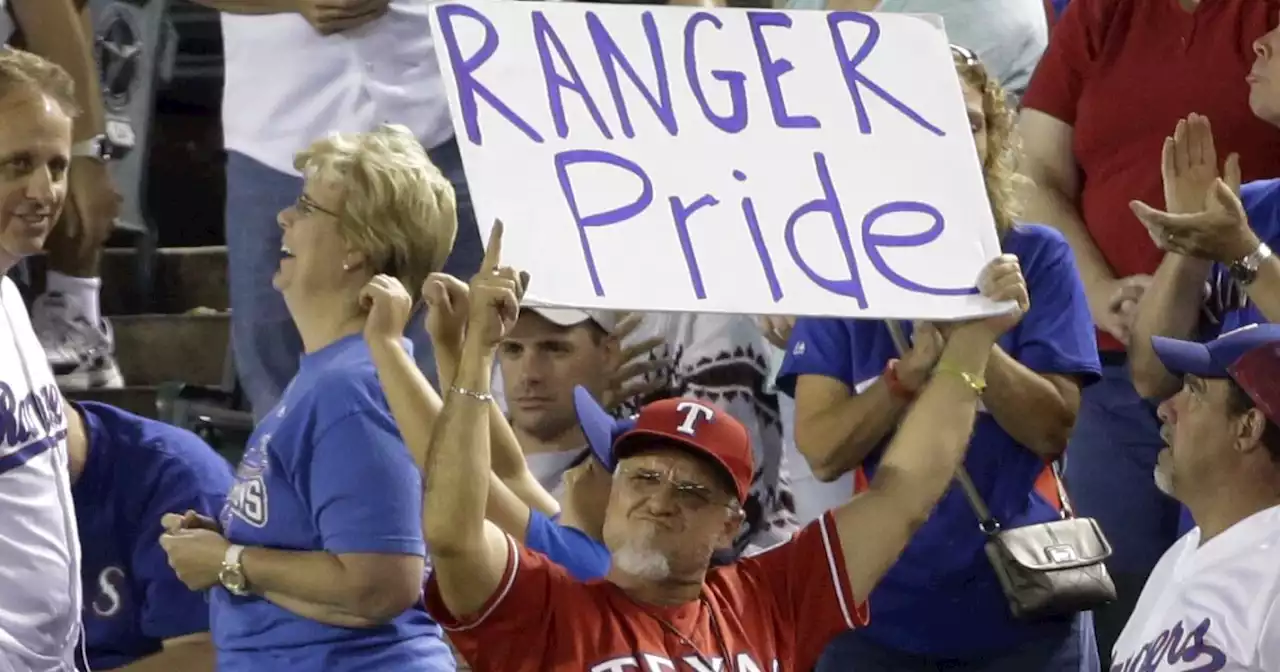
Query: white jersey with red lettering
{"type": "Point", "coordinates": [1212, 607]}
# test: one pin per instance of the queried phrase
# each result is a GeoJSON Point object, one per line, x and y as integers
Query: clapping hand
{"type": "Point", "coordinates": [632, 375]}
{"type": "Point", "coordinates": [1204, 217]}
{"type": "Point", "coordinates": [195, 555]}
{"type": "Point", "coordinates": [191, 520]}
{"type": "Point", "coordinates": [388, 307]}
{"type": "Point", "coordinates": [927, 341]}
{"type": "Point", "coordinates": [495, 293]}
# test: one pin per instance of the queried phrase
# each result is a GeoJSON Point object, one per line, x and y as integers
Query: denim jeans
{"type": "Point", "coordinates": [264, 340]}
{"type": "Point", "coordinates": [1110, 461]}
{"type": "Point", "coordinates": [1073, 651]}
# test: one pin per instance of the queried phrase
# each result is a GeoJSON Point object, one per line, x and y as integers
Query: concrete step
{"type": "Point", "coordinates": [154, 349]}
{"type": "Point", "coordinates": [184, 278]}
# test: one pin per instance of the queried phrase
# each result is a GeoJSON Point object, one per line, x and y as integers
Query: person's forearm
{"type": "Point", "coordinates": [318, 577]}
{"type": "Point", "coordinates": [1170, 307]}
{"type": "Point", "coordinates": [458, 472]}
{"type": "Point", "coordinates": [506, 456]}
{"type": "Point", "coordinates": [1047, 204]}
{"type": "Point", "coordinates": [58, 31]}
{"type": "Point", "coordinates": [322, 613]}
{"type": "Point", "coordinates": [837, 440]}
{"type": "Point", "coordinates": [930, 444]}
{"type": "Point", "coordinates": [1265, 289]}
{"type": "Point", "coordinates": [414, 405]}
{"type": "Point", "coordinates": [251, 6]}
{"type": "Point", "coordinates": [1028, 406]}
{"type": "Point", "coordinates": [188, 657]}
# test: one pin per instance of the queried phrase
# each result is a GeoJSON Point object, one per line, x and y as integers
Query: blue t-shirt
{"type": "Point", "coordinates": [326, 470]}
{"type": "Point", "coordinates": [942, 597]}
{"type": "Point", "coordinates": [136, 471]}
{"type": "Point", "coordinates": [1227, 306]}
{"type": "Point", "coordinates": [569, 547]}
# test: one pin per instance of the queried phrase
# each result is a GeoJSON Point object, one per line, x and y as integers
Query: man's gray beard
{"type": "Point", "coordinates": [639, 559]}
{"type": "Point", "coordinates": [1164, 480]}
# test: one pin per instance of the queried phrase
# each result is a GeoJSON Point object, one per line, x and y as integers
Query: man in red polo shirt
{"type": "Point", "coordinates": [1116, 77]}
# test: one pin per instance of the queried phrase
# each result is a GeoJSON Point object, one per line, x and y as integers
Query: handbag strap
{"type": "Point", "coordinates": [986, 522]}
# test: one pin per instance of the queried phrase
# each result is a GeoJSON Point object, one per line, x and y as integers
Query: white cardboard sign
{"type": "Point", "coordinates": [736, 161]}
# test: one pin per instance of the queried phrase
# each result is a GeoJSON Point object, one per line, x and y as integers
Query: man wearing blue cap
{"type": "Point", "coordinates": [1213, 600]}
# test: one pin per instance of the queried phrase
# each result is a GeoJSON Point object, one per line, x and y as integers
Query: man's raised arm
{"type": "Point", "coordinates": [469, 554]}
{"type": "Point", "coordinates": [922, 458]}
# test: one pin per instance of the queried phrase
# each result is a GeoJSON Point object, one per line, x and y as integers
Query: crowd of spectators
{"type": "Point", "coordinates": [794, 475]}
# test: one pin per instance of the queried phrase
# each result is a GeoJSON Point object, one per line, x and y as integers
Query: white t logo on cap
{"type": "Point", "coordinates": [693, 413]}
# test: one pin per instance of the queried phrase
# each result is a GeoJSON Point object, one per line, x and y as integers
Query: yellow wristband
{"type": "Point", "coordinates": [974, 381]}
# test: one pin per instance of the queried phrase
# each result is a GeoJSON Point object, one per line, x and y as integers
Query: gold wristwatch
{"type": "Point", "coordinates": [232, 575]}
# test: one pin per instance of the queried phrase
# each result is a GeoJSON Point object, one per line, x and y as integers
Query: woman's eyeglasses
{"type": "Point", "coordinates": [305, 206]}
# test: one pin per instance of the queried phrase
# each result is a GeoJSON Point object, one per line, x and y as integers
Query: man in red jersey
{"type": "Point", "coordinates": [681, 476]}
{"type": "Point", "coordinates": [1116, 77]}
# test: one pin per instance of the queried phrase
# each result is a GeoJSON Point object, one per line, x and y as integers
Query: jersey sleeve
{"type": "Point", "coordinates": [1269, 638]}
{"type": "Point", "coordinates": [584, 557]}
{"type": "Point", "coordinates": [1059, 78]}
{"type": "Point", "coordinates": [818, 346]}
{"type": "Point", "coordinates": [1057, 335]}
{"type": "Point", "coordinates": [168, 608]}
{"type": "Point", "coordinates": [807, 580]}
{"type": "Point", "coordinates": [364, 490]}
{"type": "Point", "coordinates": [503, 636]}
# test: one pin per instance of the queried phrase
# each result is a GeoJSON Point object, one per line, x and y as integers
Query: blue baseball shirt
{"type": "Point", "coordinates": [136, 471]}
{"type": "Point", "coordinates": [569, 547]}
{"type": "Point", "coordinates": [326, 470]}
{"type": "Point", "coordinates": [1227, 306]}
{"type": "Point", "coordinates": [942, 597]}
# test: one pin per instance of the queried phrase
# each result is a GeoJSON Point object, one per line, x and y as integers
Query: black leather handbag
{"type": "Point", "coordinates": [1047, 569]}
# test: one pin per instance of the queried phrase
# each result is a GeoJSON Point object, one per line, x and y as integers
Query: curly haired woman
{"type": "Point", "coordinates": [941, 607]}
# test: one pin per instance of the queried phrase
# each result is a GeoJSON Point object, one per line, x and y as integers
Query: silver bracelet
{"type": "Point", "coordinates": [481, 396]}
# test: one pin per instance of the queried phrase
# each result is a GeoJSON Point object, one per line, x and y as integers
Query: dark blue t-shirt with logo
{"type": "Point", "coordinates": [137, 470]}
{"type": "Point", "coordinates": [942, 598]}
{"type": "Point", "coordinates": [326, 470]}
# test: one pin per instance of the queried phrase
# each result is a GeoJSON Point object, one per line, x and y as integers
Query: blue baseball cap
{"type": "Point", "coordinates": [1249, 355]}
{"type": "Point", "coordinates": [599, 427]}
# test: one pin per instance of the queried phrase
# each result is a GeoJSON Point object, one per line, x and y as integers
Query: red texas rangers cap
{"type": "Point", "coordinates": [701, 428]}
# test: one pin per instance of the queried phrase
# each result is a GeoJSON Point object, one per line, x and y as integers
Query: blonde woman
{"type": "Point", "coordinates": [941, 606]}
{"type": "Point", "coordinates": [316, 561]}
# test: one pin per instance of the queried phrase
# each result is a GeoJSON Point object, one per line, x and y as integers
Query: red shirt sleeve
{"type": "Point", "coordinates": [503, 636]}
{"type": "Point", "coordinates": [1059, 78]}
{"type": "Point", "coordinates": [810, 586]}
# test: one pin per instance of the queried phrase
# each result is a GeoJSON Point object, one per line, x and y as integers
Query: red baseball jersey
{"type": "Point", "coordinates": [773, 612]}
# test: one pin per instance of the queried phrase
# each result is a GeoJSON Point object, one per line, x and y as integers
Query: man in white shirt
{"type": "Point", "coordinates": [1213, 601]}
{"type": "Point", "coordinates": [297, 70]}
{"type": "Point", "coordinates": [39, 552]}
{"type": "Point", "coordinates": [77, 339]}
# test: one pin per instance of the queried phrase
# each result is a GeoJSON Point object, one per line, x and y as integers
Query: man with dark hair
{"type": "Point", "coordinates": [1213, 600]}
